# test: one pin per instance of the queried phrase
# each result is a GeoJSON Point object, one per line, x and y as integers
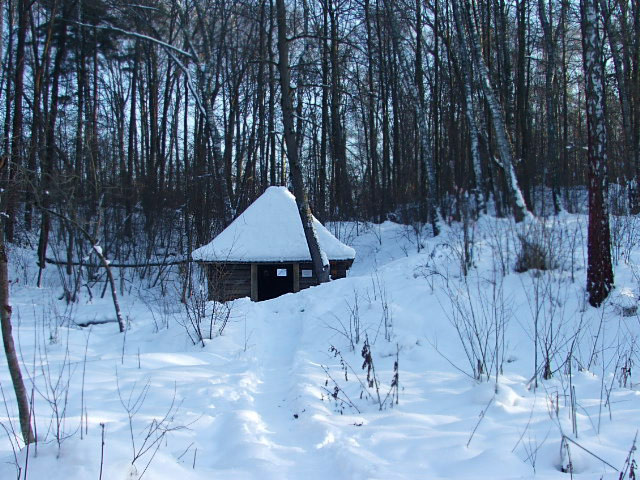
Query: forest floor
{"type": "Point", "coordinates": [281, 393]}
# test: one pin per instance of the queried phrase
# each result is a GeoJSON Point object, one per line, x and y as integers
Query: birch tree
{"type": "Point", "coordinates": [463, 56]}
{"type": "Point", "coordinates": [599, 268]}
{"type": "Point", "coordinates": [496, 112]}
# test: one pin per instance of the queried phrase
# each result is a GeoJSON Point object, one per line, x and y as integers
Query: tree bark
{"type": "Point", "coordinates": [374, 210]}
{"type": "Point", "coordinates": [342, 188]}
{"type": "Point", "coordinates": [16, 134]}
{"type": "Point", "coordinates": [320, 264]}
{"type": "Point", "coordinates": [551, 99]}
{"type": "Point", "coordinates": [50, 149]}
{"type": "Point", "coordinates": [24, 412]}
{"type": "Point", "coordinates": [617, 32]}
{"type": "Point", "coordinates": [324, 132]}
{"type": "Point", "coordinates": [599, 268]}
{"type": "Point", "coordinates": [498, 120]}
{"type": "Point", "coordinates": [467, 77]}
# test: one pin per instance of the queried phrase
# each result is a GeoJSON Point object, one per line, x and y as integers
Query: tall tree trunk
{"type": "Point", "coordinates": [8, 72]}
{"type": "Point", "coordinates": [132, 144]}
{"type": "Point", "coordinates": [324, 129]}
{"type": "Point", "coordinates": [321, 269]}
{"type": "Point", "coordinates": [342, 186]}
{"type": "Point", "coordinates": [36, 121]}
{"type": "Point", "coordinates": [271, 145]}
{"type": "Point", "coordinates": [635, 82]}
{"type": "Point", "coordinates": [467, 77]}
{"type": "Point", "coordinates": [374, 210]}
{"type": "Point", "coordinates": [16, 134]}
{"type": "Point", "coordinates": [599, 268]}
{"type": "Point", "coordinates": [620, 50]}
{"type": "Point", "coordinates": [94, 145]}
{"type": "Point", "coordinates": [428, 162]}
{"type": "Point", "coordinates": [50, 148]}
{"type": "Point", "coordinates": [81, 75]}
{"type": "Point", "coordinates": [385, 204]}
{"type": "Point", "coordinates": [498, 120]}
{"type": "Point", "coordinates": [551, 100]}
{"type": "Point", "coordinates": [261, 98]}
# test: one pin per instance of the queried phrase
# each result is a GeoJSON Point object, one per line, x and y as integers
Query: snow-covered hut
{"type": "Point", "coordinates": [263, 253]}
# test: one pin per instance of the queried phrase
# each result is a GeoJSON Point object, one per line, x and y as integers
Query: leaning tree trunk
{"type": "Point", "coordinates": [467, 76]}
{"type": "Point", "coordinates": [616, 30]}
{"type": "Point", "coordinates": [599, 269]}
{"type": "Point", "coordinates": [320, 267]}
{"type": "Point", "coordinates": [13, 365]}
{"type": "Point", "coordinates": [498, 120]}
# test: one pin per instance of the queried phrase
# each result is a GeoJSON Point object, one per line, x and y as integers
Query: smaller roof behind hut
{"type": "Point", "coordinates": [270, 230]}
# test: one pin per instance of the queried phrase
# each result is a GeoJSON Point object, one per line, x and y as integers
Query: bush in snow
{"type": "Point", "coordinates": [147, 436]}
{"type": "Point", "coordinates": [630, 468]}
{"type": "Point", "coordinates": [536, 249]}
{"type": "Point", "coordinates": [369, 389]}
{"type": "Point", "coordinates": [479, 311]}
{"type": "Point", "coordinates": [533, 255]}
{"type": "Point", "coordinates": [625, 236]}
{"type": "Point", "coordinates": [205, 320]}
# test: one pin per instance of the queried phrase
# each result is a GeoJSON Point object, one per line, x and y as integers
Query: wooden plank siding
{"type": "Point", "coordinates": [296, 277]}
{"type": "Point", "coordinates": [339, 269]}
{"type": "Point", "coordinates": [306, 282]}
{"type": "Point", "coordinates": [254, 282]}
{"type": "Point", "coordinates": [228, 281]}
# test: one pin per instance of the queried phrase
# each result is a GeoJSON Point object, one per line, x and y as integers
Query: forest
{"type": "Point", "coordinates": [170, 111]}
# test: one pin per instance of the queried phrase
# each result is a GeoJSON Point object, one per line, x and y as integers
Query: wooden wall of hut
{"type": "Point", "coordinates": [229, 281]}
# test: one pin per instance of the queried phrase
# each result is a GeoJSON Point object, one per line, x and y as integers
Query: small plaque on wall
{"type": "Point", "coordinates": [282, 272]}
{"type": "Point", "coordinates": [307, 273]}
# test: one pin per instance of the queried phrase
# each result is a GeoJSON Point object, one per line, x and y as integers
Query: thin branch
{"type": "Point", "coordinates": [137, 35]}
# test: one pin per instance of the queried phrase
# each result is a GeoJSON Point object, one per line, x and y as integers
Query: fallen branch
{"type": "Point", "coordinates": [89, 323]}
{"type": "Point", "coordinates": [119, 265]}
{"type": "Point", "coordinates": [589, 452]}
{"type": "Point", "coordinates": [482, 414]}
{"type": "Point", "coordinates": [95, 248]}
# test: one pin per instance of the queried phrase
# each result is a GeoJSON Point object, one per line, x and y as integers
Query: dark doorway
{"type": "Point", "coordinates": [274, 280]}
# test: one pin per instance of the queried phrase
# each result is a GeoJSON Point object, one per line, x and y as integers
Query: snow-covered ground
{"type": "Point", "coordinates": [282, 394]}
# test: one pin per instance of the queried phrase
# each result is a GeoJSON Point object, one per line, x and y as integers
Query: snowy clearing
{"type": "Point", "coordinates": [282, 393]}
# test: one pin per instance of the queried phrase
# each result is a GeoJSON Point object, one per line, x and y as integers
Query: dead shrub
{"type": "Point", "coordinates": [535, 251]}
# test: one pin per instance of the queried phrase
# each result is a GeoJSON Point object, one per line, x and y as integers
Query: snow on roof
{"type": "Point", "coordinates": [270, 230]}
